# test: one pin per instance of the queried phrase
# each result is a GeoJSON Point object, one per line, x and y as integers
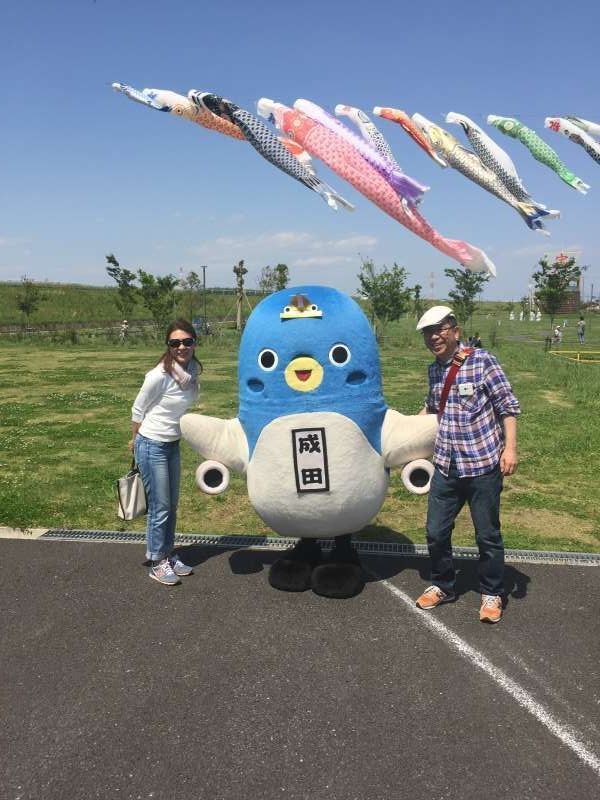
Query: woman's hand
{"type": "Point", "coordinates": [135, 426]}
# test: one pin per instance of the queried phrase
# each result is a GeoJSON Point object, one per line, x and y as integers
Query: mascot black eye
{"type": "Point", "coordinates": [267, 359]}
{"type": "Point", "coordinates": [339, 355]}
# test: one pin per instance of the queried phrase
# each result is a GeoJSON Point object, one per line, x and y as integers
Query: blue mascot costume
{"type": "Point", "coordinates": [313, 435]}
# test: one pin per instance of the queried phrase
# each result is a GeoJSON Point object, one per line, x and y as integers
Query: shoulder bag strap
{"type": "Point", "coordinates": [459, 359]}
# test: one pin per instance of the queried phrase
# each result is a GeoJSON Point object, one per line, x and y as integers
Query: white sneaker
{"type": "Point", "coordinates": [163, 573]}
{"type": "Point", "coordinates": [179, 568]}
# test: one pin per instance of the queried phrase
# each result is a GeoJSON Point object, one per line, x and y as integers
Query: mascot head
{"type": "Point", "coordinates": [309, 348]}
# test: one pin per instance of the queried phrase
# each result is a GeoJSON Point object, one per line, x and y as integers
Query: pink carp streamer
{"type": "Point", "coordinates": [347, 162]}
{"type": "Point", "coordinates": [405, 186]}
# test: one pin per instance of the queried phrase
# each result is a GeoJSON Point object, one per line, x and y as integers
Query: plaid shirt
{"type": "Point", "coordinates": [470, 428]}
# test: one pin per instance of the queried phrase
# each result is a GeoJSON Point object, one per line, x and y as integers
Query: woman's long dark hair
{"type": "Point", "coordinates": [167, 358]}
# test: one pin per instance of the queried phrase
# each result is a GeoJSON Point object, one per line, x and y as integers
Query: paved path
{"type": "Point", "coordinates": [222, 688]}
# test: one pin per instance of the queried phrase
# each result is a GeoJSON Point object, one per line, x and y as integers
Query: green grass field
{"type": "Point", "coordinates": [71, 303]}
{"type": "Point", "coordinates": [65, 410]}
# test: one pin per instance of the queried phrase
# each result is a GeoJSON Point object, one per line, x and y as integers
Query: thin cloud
{"type": "Point", "coordinates": [291, 240]}
{"type": "Point", "coordinates": [322, 261]}
{"type": "Point", "coordinates": [9, 241]}
{"type": "Point", "coordinates": [352, 242]}
{"type": "Point", "coordinates": [541, 249]}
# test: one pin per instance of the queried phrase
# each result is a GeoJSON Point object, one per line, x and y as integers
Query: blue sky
{"type": "Point", "coordinates": [85, 172]}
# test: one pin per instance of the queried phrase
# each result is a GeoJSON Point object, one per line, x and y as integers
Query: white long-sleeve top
{"type": "Point", "coordinates": [160, 404]}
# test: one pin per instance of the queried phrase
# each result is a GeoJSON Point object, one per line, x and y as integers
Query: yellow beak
{"type": "Point", "coordinates": [304, 374]}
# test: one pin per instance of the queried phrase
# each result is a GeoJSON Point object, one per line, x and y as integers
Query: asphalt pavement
{"type": "Point", "coordinates": [114, 686]}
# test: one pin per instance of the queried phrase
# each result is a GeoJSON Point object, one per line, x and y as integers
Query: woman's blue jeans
{"type": "Point", "coordinates": [159, 465]}
{"type": "Point", "coordinates": [447, 496]}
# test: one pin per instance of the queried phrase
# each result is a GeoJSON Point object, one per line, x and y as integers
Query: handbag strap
{"type": "Point", "coordinates": [459, 359]}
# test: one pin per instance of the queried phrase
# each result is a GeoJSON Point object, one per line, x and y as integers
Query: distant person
{"type": "Point", "coordinates": [168, 391]}
{"type": "Point", "coordinates": [581, 330]}
{"type": "Point", "coordinates": [124, 331]}
{"type": "Point", "coordinates": [475, 448]}
{"type": "Point", "coordinates": [557, 335]}
{"type": "Point", "coordinates": [475, 341]}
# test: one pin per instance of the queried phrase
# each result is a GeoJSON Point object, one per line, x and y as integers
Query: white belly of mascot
{"type": "Point", "coordinates": [316, 476]}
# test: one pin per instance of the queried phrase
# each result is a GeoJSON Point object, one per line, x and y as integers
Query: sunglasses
{"type": "Point", "coordinates": [178, 342]}
{"type": "Point", "coordinates": [428, 333]}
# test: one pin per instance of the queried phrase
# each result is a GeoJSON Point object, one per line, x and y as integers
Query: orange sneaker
{"type": "Point", "coordinates": [491, 608]}
{"type": "Point", "coordinates": [433, 596]}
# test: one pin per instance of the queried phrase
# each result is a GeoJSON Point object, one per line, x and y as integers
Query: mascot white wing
{"type": "Point", "coordinates": [405, 438]}
{"type": "Point", "coordinates": [223, 440]}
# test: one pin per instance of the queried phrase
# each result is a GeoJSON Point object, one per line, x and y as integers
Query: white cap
{"type": "Point", "coordinates": [434, 316]}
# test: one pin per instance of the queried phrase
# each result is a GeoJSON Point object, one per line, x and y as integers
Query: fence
{"type": "Point", "coordinates": [581, 356]}
{"type": "Point", "coordinates": [96, 326]}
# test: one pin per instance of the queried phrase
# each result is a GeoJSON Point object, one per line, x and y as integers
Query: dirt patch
{"type": "Point", "coordinates": [553, 524]}
{"type": "Point", "coordinates": [557, 399]}
{"type": "Point", "coordinates": [528, 375]}
{"type": "Point", "coordinates": [63, 418]}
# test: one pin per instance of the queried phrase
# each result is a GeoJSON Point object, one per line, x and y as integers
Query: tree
{"type": "Point", "coordinates": [29, 299]}
{"type": "Point", "coordinates": [127, 293]}
{"type": "Point", "coordinates": [552, 283]}
{"type": "Point", "coordinates": [418, 304]}
{"type": "Point", "coordinates": [158, 294]}
{"type": "Point", "coordinates": [239, 271]}
{"type": "Point", "coordinates": [524, 303]}
{"type": "Point", "coordinates": [273, 279]}
{"type": "Point", "coordinates": [192, 283]}
{"type": "Point", "coordinates": [281, 274]}
{"type": "Point", "coordinates": [266, 281]}
{"type": "Point", "coordinates": [467, 285]}
{"type": "Point", "coordinates": [385, 290]}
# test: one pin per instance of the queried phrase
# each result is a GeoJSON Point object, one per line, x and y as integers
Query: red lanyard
{"type": "Point", "coordinates": [459, 359]}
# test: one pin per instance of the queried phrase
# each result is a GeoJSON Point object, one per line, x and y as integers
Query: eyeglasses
{"type": "Point", "coordinates": [178, 342]}
{"type": "Point", "coordinates": [428, 333]}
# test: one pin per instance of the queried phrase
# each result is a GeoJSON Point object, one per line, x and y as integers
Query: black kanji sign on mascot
{"type": "Point", "coordinates": [310, 460]}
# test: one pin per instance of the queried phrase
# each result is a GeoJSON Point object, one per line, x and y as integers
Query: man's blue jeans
{"type": "Point", "coordinates": [159, 465]}
{"type": "Point", "coordinates": [446, 498]}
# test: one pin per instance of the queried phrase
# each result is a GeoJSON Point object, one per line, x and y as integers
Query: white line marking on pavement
{"type": "Point", "coordinates": [523, 698]}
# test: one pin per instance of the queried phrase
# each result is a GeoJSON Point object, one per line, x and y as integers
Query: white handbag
{"type": "Point", "coordinates": [131, 495]}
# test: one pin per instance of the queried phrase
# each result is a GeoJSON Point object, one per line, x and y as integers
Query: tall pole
{"type": "Point", "coordinates": [431, 285]}
{"type": "Point", "coordinates": [203, 268]}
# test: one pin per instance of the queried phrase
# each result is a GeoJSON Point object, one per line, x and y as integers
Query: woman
{"type": "Point", "coordinates": [169, 389]}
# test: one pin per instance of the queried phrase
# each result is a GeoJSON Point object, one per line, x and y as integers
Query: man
{"type": "Point", "coordinates": [476, 446]}
{"type": "Point", "coordinates": [581, 330]}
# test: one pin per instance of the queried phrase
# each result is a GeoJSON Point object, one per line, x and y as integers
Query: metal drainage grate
{"type": "Point", "coordinates": [282, 543]}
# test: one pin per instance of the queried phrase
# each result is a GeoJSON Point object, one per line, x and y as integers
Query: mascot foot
{"type": "Point", "coordinates": [340, 575]}
{"type": "Point", "coordinates": [292, 573]}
